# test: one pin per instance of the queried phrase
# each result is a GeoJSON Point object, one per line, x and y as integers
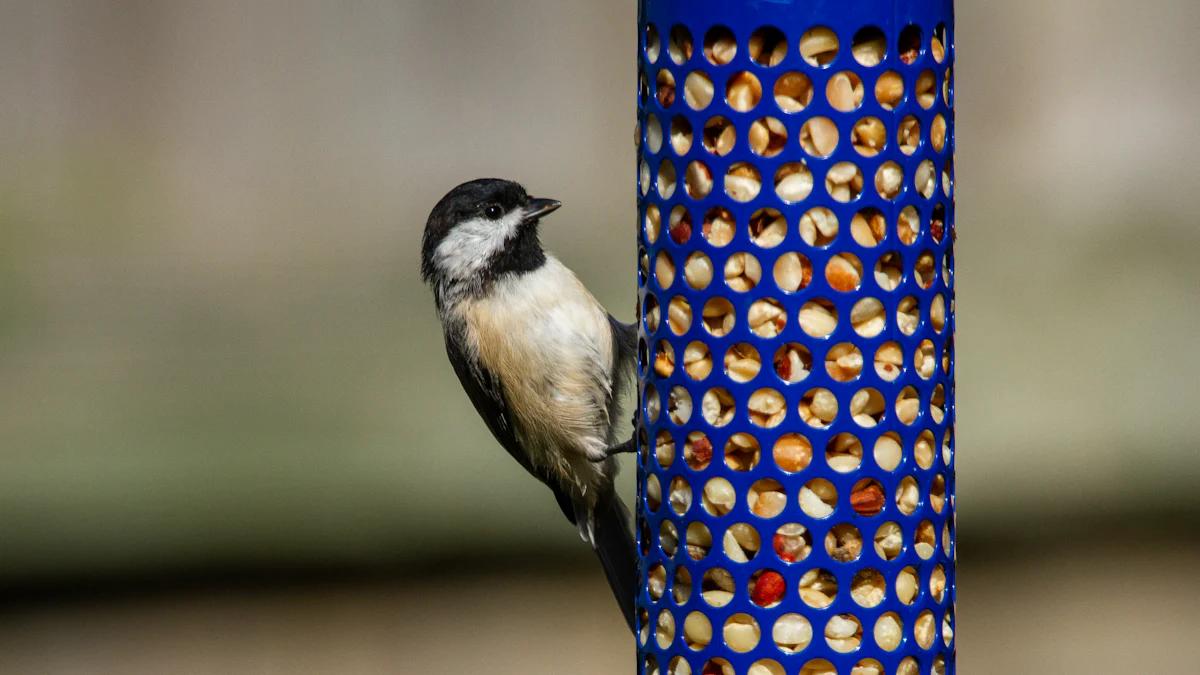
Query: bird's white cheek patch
{"type": "Point", "coordinates": [470, 245]}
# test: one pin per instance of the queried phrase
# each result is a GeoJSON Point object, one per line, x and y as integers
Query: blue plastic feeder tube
{"type": "Point", "coordinates": [796, 294]}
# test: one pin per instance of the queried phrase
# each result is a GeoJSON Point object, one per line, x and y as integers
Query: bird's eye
{"type": "Point", "coordinates": [493, 211]}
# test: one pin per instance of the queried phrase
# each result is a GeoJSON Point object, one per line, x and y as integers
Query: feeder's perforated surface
{"type": "Point", "coordinates": [796, 467]}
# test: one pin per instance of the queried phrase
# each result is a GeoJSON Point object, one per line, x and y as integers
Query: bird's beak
{"type": "Point", "coordinates": [540, 207]}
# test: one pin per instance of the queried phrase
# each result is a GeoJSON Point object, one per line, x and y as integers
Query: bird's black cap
{"type": "Point", "coordinates": [472, 200]}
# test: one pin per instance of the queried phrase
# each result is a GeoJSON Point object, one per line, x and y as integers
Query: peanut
{"type": "Point", "coordinates": [818, 226]}
{"type": "Point", "coordinates": [908, 406]}
{"type": "Point", "coordinates": [926, 179]}
{"type": "Point", "coordinates": [766, 318]}
{"type": "Point", "coordinates": [665, 631]}
{"type": "Point", "coordinates": [818, 46]}
{"type": "Point", "coordinates": [679, 45]}
{"type": "Point", "coordinates": [793, 183]}
{"type": "Point", "coordinates": [867, 589]}
{"type": "Point", "coordinates": [743, 182]}
{"type": "Point", "coordinates": [843, 543]}
{"type": "Point", "coordinates": [818, 318]}
{"type": "Point", "coordinates": [719, 136]}
{"type": "Point", "coordinates": [720, 46]}
{"type": "Point", "coordinates": [654, 135]}
{"type": "Point", "coordinates": [844, 182]}
{"type": "Point", "coordinates": [818, 498]}
{"type": "Point", "coordinates": [819, 136]}
{"type": "Point", "coordinates": [742, 452]}
{"type": "Point", "coordinates": [699, 541]}
{"type": "Point", "coordinates": [937, 133]}
{"type": "Point", "coordinates": [681, 135]}
{"type": "Point", "coordinates": [889, 89]}
{"type": "Point", "coordinates": [889, 179]}
{"type": "Point", "coordinates": [768, 227]}
{"type": "Point", "coordinates": [679, 315]}
{"type": "Point", "coordinates": [664, 359]}
{"type": "Point", "coordinates": [792, 453]}
{"type": "Point", "coordinates": [793, 272]}
{"type": "Point", "coordinates": [793, 92]}
{"type": "Point", "coordinates": [868, 227]}
{"type": "Point", "coordinates": [818, 588]}
{"type": "Point", "coordinates": [888, 451]}
{"type": "Point", "coordinates": [844, 453]}
{"type": "Point", "coordinates": [908, 225]}
{"type": "Point", "coordinates": [906, 585]}
{"type": "Point", "coordinates": [698, 271]}
{"type": "Point", "coordinates": [888, 361]}
{"type": "Point", "coordinates": [697, 360]}
{"type": "Point", "coordinates": [844, 272]}
{"type": "Point", "coordinates": [768, 47]}
{"type": "Point", "coordinates": [664, 270]}
{"type": "Point", "coordinates": [742, 362]}
{"type": "Point", "coordinates": [717, 407]}
{"type": "Point", "coordinates": [679, 405]}
{"type": "Point", "coordinates": [742, 633]}
{"type": "Point", "coordinates": [818, 408]}
{"type": "Point", "coordinates": [889, 541]}
{"type": "Point", "coordinates": [844, 91]}
{"type": "Point", "coordinates": [888, 632]}
{"type": "Point", "coordinates": [766, 499]}
{"type": "Point", "coordinates": [719, 316]}
{"type": "Point", "coordinates": [653, 223]}
{"type": "Point", "coordinates": [664, 88]}
{"type": "Point", "coordinates": [844, 362]}
{"type": "Point", "coordinates": [653, 492]}
{"type": "Point", "coordinates": [698, 90]}
{"type": "Point", "coordinates": [791, 633]}
{"type": "Point", "coordinates": [868, 317]}
{"type": "Point", "coordinates": [664, 449]}
{"type": "Point", "coordinates": [908, 496]}
{"type": "Point", "coordinates": [868, 47]}
{"type": "Point", "coordinates": [889, 271]}
{"type": "Point", "coordinates": [666, 179]}
{"type": "Point", "coordinates": [923, 449]}
{"type": "Point", "coordinates": [843, 633]}
{"type": "Point", "coordinates": [697, 451]}
{"type": "Point", "coordinates": [681, 495]}
{"type": "Point", "coordinates": [767, 137]}
{"type": "Point", "coordinates": [792, 542]}
{"type": "Point", "coordinates": [718, 227]}
{"type": "Point", "coordinates": [719, 497]}
{"type": "Point", "coordinates": [868, 136]}
{"type": "Point", "coordinates": [923, 629]}
{"type": "Point", "coordinates": [697, 180]}
{"type": "Point", "coordinates": [924, 360]}
{"type": "Point", "coordinates": [908, 315]}
{"type": "Point", "coordinates": [926, 89]}
{"type": "Point", "coordinates": [908, 134]}
{"type": "Point", "coordinates": [743, 92]}
{"type": "Point", "coordinates": [742, 272]}
{"type": "Point", "coordinates": [697, 631]}
{"type": "Point", "coordinates": [767, 408]}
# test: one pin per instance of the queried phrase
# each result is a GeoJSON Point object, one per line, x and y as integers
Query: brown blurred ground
{"type": "Point", "coordinates": [1102, 609]}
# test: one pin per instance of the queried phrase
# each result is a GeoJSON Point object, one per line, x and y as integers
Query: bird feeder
{"type": "Point", "coordinates": [795, 185]}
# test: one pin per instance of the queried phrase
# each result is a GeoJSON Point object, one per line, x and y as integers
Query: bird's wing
{"type": "Point", "coordinates": [487, 395]}
{"type": "Point", "coordinates": [624, 365]}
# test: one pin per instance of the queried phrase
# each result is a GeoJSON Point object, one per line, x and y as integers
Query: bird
{"type": "Point", "coordinates": [543, 363]}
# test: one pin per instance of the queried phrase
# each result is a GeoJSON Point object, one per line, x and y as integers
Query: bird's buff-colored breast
{"type": "Point", "coordinates": [550, 344]}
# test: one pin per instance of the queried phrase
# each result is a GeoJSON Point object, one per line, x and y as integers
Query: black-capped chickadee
{"type": "Point", "coordinates": [544, 364]}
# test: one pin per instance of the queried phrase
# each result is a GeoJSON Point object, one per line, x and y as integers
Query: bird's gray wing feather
{"type": "Point", "coordinates": [487, 395]}
{"type": "Point", "coordinates": [624, 364]}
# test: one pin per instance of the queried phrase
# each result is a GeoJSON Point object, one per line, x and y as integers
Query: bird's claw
{"type": "Point", "coordinates": [612, 450]}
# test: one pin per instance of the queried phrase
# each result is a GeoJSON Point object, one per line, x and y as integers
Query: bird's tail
{"type": "Point", "coordinates": [612, 539]}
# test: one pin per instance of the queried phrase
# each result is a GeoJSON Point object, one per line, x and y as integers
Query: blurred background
{"type": "Point", "coordinates": [229, 438]}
